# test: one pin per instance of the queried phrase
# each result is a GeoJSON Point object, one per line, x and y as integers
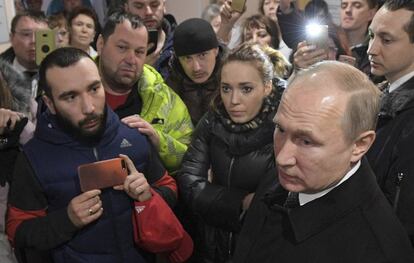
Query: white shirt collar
{"type": "Point", "coordinates": [306, 198]}
{"type": "Point", "coordinates": [396, 84]}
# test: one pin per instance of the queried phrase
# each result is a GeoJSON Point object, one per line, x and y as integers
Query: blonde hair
{"type": "Point", "coordinates": [281, 66]}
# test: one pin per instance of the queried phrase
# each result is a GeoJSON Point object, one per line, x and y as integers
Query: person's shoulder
{"type": "Point", "coordinates": [151, 76]}
{"type": "Point", "coordinates": [8, 55]}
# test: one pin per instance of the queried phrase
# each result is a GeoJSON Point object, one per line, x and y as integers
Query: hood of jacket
{"type": "Point", "coordinates": [48, 130]}
{"type": "Point", "coordinates": [19, 86]}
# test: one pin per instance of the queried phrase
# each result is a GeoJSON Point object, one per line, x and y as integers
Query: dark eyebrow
{"type": "Point", "coordinates": [71, 92]}
{"type": "Point", "coordinates": [94, 84]}
{"type": "Point", "coordinates": [67, 93]}
{"type": "Point", "coordinates": [306, 133]}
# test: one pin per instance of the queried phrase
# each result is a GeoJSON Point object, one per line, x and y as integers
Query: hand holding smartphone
{"type": "Point", "coordinates": [102, 174]}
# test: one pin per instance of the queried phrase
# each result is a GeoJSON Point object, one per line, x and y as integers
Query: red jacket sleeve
{"type": "Point", "coordinates": [157, 230]}
{"type": "Point", "coordinates": [16, 216]}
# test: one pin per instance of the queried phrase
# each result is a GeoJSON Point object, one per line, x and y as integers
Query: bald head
{"type": "Point", "coordinates": [339, 80]}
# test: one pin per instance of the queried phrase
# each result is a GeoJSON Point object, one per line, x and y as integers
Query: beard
{"type": "Point", "coordinates": [78, 133]}
{"type": "Point", "coordinates": [115, 81]}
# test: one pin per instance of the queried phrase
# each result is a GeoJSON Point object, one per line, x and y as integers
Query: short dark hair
{"type": "Point", "coordinates": [37, 16]}
{"type": "Point", "coordinates": [394, 5]}
{"type": "Point", "coordinates": [373, 3]}
{"type": "Point", "coordinates": [83, 10]}
{"type": "Point", "coordinates": [61, 57]}
{"type": "Point", "coordinates": [119, 17]}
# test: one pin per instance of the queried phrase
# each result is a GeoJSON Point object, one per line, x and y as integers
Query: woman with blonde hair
{"type": "Point", "coordinates": [216, 180]}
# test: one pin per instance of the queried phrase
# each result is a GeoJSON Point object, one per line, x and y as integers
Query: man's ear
{"type": "Point", "coordinates": [216, 50]}
{"type": "Point", "coordinates": [49, 104]}
{"type": "Point", "coordinates": [362, 145]}
{"type": "Point", "coordinates": [100, 44]}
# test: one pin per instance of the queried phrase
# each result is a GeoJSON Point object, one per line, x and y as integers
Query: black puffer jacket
{"type": "Point", "coordinates": [239, 155]}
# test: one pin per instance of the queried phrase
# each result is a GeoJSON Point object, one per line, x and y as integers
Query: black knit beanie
{"type": "Point", "coordinates": [193, 36]}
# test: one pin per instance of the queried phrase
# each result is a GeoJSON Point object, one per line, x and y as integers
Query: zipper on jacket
{"type": "Point", "coordinates": [228, 186]}
{"type": "Point", "coordinates": [400, 177]}
{"type": "Point", "coordinates": [95, 153]}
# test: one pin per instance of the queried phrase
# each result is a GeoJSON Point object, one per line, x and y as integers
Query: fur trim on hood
{"type": "Point", "coordinates": [19, 86]}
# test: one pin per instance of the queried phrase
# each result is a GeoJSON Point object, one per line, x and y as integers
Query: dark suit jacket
{"type": "Point", "coordinates": [352, 223]}
{"type": "Point", "coordinates": [391, 155]}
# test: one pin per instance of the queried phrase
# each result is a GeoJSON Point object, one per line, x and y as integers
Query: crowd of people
{"type": "Point", "coordinates": [243, 140]}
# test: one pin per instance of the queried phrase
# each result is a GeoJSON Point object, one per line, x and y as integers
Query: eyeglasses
{"type": "Point", "coordinates": [26, 34]}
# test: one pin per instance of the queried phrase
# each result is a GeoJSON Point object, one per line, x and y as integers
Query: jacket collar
{"type": "Point", "coordinates": [323, 212]}
{"type": "Point", "coordinates": [47, 129]}
{"type": "Point", "coordinates": [398, 100]}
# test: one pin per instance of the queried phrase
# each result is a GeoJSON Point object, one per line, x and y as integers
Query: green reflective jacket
{"type": "Point", "coordinates": [167, 113]}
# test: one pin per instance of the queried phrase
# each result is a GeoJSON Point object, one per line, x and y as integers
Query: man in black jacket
{"type": "Point", "coordinates": [328, 207]}
{"type": "Point", "coordinates": [356, 16]}
{"type": "Point", "coordinates": [391, 53]}
{"type": "Point", "coordinates": [194, 66]}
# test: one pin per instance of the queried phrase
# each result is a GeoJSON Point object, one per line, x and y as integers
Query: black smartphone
{"type": "Point", "coordinates": [45, 43]}
{"type": "Point", "coordinates": [152, 40]}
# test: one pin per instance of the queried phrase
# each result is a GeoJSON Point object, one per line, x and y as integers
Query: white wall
{"type": "Point", "coordinates": [8, 7]}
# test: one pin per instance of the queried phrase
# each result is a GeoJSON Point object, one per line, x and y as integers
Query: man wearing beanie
{"type": "Point", "coordinates": [194, 66]}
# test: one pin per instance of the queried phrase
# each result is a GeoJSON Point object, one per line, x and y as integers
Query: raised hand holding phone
{"type": "Point", "coordinates": [307, 55]}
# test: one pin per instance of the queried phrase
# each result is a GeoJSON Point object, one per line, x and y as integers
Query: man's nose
{"type": "Point", "coordinates": [130, 57]}
{"type": "Point", "coordinates": [372, 47]}
{"type": "Point", "coordinates": [196, 65]}
{"type": "Point", "coordinates": [285, 150]}
{"type": "Point", "coordinates": [88, 106]}
{"type": "Point", "coordinates": [148, 10]}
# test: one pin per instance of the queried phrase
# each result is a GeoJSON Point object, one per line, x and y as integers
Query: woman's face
{"type": "Point", "coordinates": [215, 23]}
{"type": "Point", "coordinates": [258, 35]}
{"type": "Point", "coordinates": [82, 31]}
{"type": "Point", "coordinates": [270, 8]}
{"type": "Point", "coordinates": [62, 36]}
{"type": "Point", "coordinates": [242, 90]}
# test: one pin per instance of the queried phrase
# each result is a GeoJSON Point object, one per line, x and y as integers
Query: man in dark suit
{"type": "Point", "coordinates": [327, 207]}
{"type": "Point", "coordinates": [391, 53]}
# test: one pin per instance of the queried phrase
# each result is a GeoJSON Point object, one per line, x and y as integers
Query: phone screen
{"type": "Point", "coordinates": [317, 35]}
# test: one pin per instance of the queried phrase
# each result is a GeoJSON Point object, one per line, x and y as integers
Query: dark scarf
{"type": "Point", "coordinates": [266, 114]}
